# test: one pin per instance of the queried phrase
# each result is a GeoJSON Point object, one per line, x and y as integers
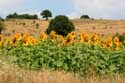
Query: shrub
{"type": "Point", "coordinates": [61, 25]}
{"type": "Point", "coordinates": [21, 16]}
{"type": "Point", "coordinates": [24, 23]}
{"type": "Point", "coordinates": [37, 26]}
{"type": "Point", "coordinates": [84, 17]}
{"type": "Point", "coordinates": [34, 22]}
{"type": "Point", "coordinates": [1, 19]}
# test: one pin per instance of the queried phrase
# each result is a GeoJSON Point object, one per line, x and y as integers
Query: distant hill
{"type": "Point", "coordinates": [103, 27]}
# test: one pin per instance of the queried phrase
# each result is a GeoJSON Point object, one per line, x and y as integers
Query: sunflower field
{"type": "Point", "coordinates": [75, 53]}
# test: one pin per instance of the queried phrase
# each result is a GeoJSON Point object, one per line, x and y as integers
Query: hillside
{"type": "Point", "coordinates": [103, 27]}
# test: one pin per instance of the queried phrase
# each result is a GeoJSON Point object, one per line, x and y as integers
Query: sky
{"type": "Point", "coordinates": [106, 9]}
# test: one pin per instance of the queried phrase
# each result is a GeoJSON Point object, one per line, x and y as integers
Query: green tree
{"type": "Point", "coordinates": [22, 16]}
{"type": "Point", "coordinates": [1, 19]}
{"type": "Point", "coordinates": [15, 15]}
{"type": "Point", "coordinates": [46, 14]}
{"type": "Point", "coordinates": [84, 17]}
{"type": "Point", "coordinates": [61, 25]}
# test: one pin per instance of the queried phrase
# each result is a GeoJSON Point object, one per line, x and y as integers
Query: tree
{"type": "Point", "coordinates": [22, 16]}
{"type": "Point", "coordinates": [12, 16]}
{"type": "Point", "coordinates": [84, 17]}
{"type": "Point", "coordinates": [2, 26]}
{"type": "Point", "coordinates": [61, 25]}
{"type": "Point", "coordinates": [46, 14]}
{"type": "Point", "coordinates": [1, 19]}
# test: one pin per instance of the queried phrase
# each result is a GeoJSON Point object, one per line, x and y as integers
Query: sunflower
{"type": "Point", "coordinates": [60, 40]}
{"type": "Point", "coordinates": [52, 35]}
{"type": "Point", "coordinates": [26, 39]}
{"type": "Point", "coordinates": [86, 39]}
{"type": "Point", "coordinates": [13, 41]}
{"type": "Point", "coordinates": [116, 39]}
{"type": "Point", "coordinates": [117, 43]}
{"type": "Point", "coordinates": [82, 36]}
{"type": "Point", "coordinates": [32, 40]}
{"type": "Point", "coordinates": [69, 39]}
{"type": "Point", "coordinates": [73, 33]}
{"type": "Point", "coordinates": [109, 42]}
{"type": "Point", "coordinates": [103, 43]}
{"type": "Point", "coordinates": [43, 36]}
{"type": "Point", "coordinates": [95, 39]}
{"type": "Point", "coordinates": [17, 36]}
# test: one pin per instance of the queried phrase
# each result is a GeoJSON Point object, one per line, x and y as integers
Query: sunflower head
{"type": "Point", "coordinates": [82, 36]}
{"type": "Point", "coordinates": [60, 38]}
{"type": "Point", "coordinates": [86, 39]}
{"type": "Point", "coordinates": [73, 33]}
{"type": "Point", "coordinates": [43, 36]}
{"type": "Point", "coordinates": [109, 42]}
{"type": "Point", "coordinates": [17, 36]}
{"type": "Point", "coordinates": [116, 39]}
{"type": "Point", "coordinates": [26, 39]}
{"type": "Point", "coordinates": [95, 37]}
{"type": "Point", "coordinates": [102, 43]}
{"type": "Point", "coordinates": [52, 35]}
{"type": "Point", "coordinates": [69, 39]}
{"type": "Point", "coordinates": [32, 40]}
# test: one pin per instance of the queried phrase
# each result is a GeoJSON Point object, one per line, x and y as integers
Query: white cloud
{"type": "Point", "coordinates": [7, 6]}
{"type": "Point", "coordinates": [99, 8]}
{"type": "Point", "coordinates": [5, 3]}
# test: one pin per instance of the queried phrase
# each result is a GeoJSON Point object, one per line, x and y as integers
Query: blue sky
{"type": "Point", "coordinates": [36, 6]}
{"type": "Point", "coordinates": [56, 6]}
{"type": "Point", "coordinates": [110, 9]}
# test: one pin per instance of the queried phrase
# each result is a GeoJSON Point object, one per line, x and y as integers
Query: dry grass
{"type": "Point", "coordinates": [103, 27]}
{"type": "Point", "coordinates": [22, 26]}
{"type": "Point", "coordinates": [13, 74]}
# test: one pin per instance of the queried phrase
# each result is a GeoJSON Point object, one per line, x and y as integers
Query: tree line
{"type": "Point", "coordinates": [46, 14]}
{"type": "Point", "coordinates": [21, 16]}
{"type": "Point", "coordinates": [61, 24]}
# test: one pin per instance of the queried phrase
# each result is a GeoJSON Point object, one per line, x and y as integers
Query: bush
{"type": "Point", "coordinates": [1, 19]}
{"type": "Point", "coordinates": [37, 26]}
{"type": "Point", "coordinates": [21, 16]}
{"type": "Point", "coordinates": [61, 25]}
{"type": "Point", "coordinates": [84, 17]}
{"type": "Point", "coordinates": [24, 23]}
